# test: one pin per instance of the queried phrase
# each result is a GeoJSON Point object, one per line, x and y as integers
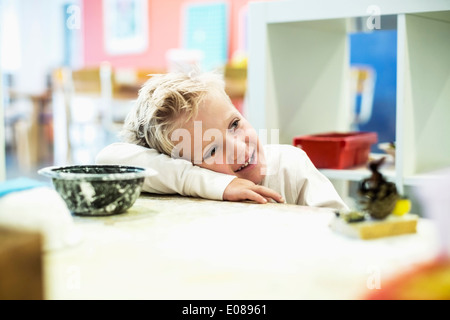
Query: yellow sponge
{"type": "Point", "coordinates": [372, 229]}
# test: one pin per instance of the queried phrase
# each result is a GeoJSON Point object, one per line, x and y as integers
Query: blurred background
{"type": "Point", "coordinates": [70, 70]}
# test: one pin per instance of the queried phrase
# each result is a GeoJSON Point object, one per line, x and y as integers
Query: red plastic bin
{"type": "Point", "coordinates": [336, 150]}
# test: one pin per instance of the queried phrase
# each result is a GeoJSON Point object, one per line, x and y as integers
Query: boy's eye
{"type": "Point", "coordinates": [211, 153]}
{"type": "Point", "coordinates": [234, 124]}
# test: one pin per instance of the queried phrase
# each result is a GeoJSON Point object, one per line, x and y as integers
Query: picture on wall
{"type": "Point", "coordinates": [125, 26]}
{"type": "Point", "coordinates": [206, 29]}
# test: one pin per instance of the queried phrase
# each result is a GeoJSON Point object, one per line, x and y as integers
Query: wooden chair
{"type": "Point", "coordinates": [80, 98]}
{"type": "Point", "coordinates": [236, 84]}
{"type": "Point", "coordinates": [92, 101]}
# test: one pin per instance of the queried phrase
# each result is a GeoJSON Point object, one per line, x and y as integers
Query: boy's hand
{"type": "Point", "coordinates": [242, 189]}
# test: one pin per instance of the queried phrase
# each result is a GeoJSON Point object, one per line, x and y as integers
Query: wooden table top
{"type": "Point", "coordinates": [172, 247]}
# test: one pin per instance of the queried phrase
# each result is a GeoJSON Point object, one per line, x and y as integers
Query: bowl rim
{"type": "Point", "coordinates": [51, 172]}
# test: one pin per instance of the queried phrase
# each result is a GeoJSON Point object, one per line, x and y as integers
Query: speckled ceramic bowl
{"type": "Point", "coordinates": [98, 190]}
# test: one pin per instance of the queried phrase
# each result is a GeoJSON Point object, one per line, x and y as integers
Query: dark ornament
{"type": "Point", "coordinates": [378, 196]}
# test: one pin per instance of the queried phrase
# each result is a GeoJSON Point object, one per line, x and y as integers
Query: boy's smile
{"type": "Point", "coordinates": [248, 163]}
{"type": "Point", "coordinates": [220, 139]}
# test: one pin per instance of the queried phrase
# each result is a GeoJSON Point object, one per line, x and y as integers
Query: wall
{"type": "Point", "coordinates": [165, 25]}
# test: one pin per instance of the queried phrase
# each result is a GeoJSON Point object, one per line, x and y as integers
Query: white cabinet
{"type": "Point", "coordinates": [299, 76]}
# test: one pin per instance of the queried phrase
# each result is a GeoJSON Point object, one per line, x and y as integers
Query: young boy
{"type": "Point", "coordinates": [185, 127]}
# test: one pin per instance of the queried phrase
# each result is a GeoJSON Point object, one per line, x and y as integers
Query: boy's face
{"type": "Point", "coordinates": [220, 139]}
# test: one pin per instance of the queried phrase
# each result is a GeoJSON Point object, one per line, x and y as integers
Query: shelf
{"type": "Point", "coordinates": [418, 179]}
{"type": "Point", "coordinates": [361, 172]}
{"type": "Point", "coordinates": [298, 10]}
{"type": "Point", "coordinates": [423, 99]}
{"type": "Point", "coordinates": [387, 170]}
{"type": "Point", "coordinates": [299, 77]}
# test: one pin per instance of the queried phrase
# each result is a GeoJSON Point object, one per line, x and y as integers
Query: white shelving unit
{"type": "Point", "coordinates": [299, 76]}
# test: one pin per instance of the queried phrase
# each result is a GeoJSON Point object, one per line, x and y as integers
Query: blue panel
{"type": "Point", "coordinates": [207, 30]}
{"type": "Point", "coordinates": [379, 50]}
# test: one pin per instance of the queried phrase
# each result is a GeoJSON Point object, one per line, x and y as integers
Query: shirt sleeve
{"type": "Point", "coordinates": [315, 189]}
{"type": "Point", "coordinates": [173, 175]}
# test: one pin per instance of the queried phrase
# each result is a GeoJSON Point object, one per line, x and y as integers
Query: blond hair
{"type": "Point", "coordinates": [164, 102]}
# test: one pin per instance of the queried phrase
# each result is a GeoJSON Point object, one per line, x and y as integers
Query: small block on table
{"type": "Point", "coordinates": [373, 229]}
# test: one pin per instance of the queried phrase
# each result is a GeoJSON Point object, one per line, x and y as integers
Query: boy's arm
{"type": "Point", "coordinates": [182, 177]}
{"type": "Point", "coordinates": [174, 175]}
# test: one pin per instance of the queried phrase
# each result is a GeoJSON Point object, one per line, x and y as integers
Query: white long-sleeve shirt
{"type": "Point", "coordinates": [289, 172]}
